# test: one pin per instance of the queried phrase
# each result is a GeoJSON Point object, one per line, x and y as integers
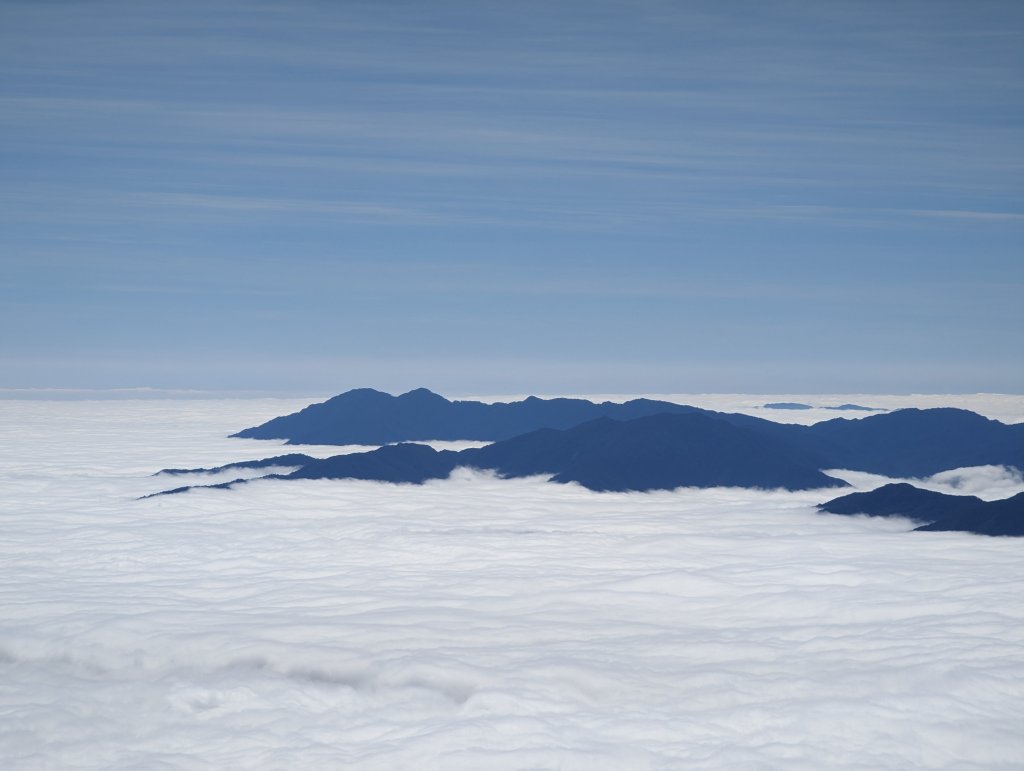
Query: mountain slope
{"type": "Point", "coordinates": [902, 500]}
{"type": "Point", "coordinates": [918, 443]}
{"type": "Point", "coordinates": [940, 511]}
{"type": "Point", "coordinates": [1005, 517]}
{"type": "Point", "coordinates": [654, 452]}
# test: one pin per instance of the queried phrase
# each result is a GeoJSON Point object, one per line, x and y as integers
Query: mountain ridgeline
{"type": "Point", "coordinates": [646, 445]}
{"type": "Point", "coordinates": [904, 443]}
{"type": "Point", "coordinates": [366, 416]}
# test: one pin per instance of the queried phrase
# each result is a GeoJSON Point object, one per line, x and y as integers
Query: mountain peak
{"type": "Point", "coordinates": [357, 395]}
{"type": "Point", "coordinates": [422, 395]}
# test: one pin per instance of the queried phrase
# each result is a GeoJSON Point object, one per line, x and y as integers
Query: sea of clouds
{"type": "Point", "coordinates": [477, 623]}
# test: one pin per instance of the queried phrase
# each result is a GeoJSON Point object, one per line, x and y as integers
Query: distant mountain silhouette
{"type": "Point", "coordinates": [292, 459]}
{"type": "Point", "coordinates": [903, 443]}
{"type": "Point", "coordinates": [965, 513]}
{"type": "Point", "coordinates": [366, 416]}
{"type": "Point", "coordinates": [902, 500]}
{"type": "Point", "coordinates": [409, 463]}
{"type": "Point", "coordinates": [1005, 517]}
{"type": "Point", "coordinates": [802, 406]}
{"type": "Point", "coordinates": [656, 452]}
{"type": "Point", "coordinates": [653, 445]}
{"type": "Point", "coordinates": [918, 443]}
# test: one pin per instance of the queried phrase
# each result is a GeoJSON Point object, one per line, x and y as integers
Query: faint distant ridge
{"type": "Point", "coordinates": [856, 408]}
{"type": "Point", "coordinates": [802, 406]}
{"type": "Point", "coordinates": [939, 511]}
{"type": "Point", "coordinates": [367, 416]}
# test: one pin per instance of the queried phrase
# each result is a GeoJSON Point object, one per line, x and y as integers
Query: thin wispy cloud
{"type": "Point", "coordinates": [995, 216]}
{"type": "Point", "coordinates": [629, 144]}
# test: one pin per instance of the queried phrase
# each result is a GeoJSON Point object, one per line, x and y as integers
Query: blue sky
{"type": "Point", "coordinates": [505, 197]}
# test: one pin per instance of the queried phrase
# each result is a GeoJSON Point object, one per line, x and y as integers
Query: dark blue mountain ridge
{"type": "Point", "coordinates": [399, 463]}
{"type": "Point", "coordinates": [655, 452]}
{"type": "Point", "coordinates": [1005, 517]}
{"type": "Point", "coordinates": [940, 511]}
{"type": "Point", "coordinates": [291, 459]}
{"type": "Point", "coordinates": [902, 499]}
{"type": "Point", "coordinates": [902, 443]}
{"type": "Point", "coordinates": [918, 442]}
{"type": "Point", "coordinates": [367, 416]}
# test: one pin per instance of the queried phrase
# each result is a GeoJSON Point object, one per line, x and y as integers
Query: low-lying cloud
{"type": "Point", "coordinates": [475, 622]}
{"type": "Point", "coordinates": [989, 483]}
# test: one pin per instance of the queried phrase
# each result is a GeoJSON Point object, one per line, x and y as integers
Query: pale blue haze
{"type": "Point", "coordinates": [520, 196]}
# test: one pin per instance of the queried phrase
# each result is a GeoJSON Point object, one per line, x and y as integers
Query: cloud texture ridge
{"type": "Point", "coordinates": [474, 622]}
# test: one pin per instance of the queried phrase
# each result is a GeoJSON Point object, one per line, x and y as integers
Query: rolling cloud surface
{"type": "Point", "coordinates": [476, 622]}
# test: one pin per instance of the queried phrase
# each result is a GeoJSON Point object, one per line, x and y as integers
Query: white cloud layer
{"type": "Point", "coordinates": [990, 483]}
{"type": "Point", "coordinates": [474, 622]}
